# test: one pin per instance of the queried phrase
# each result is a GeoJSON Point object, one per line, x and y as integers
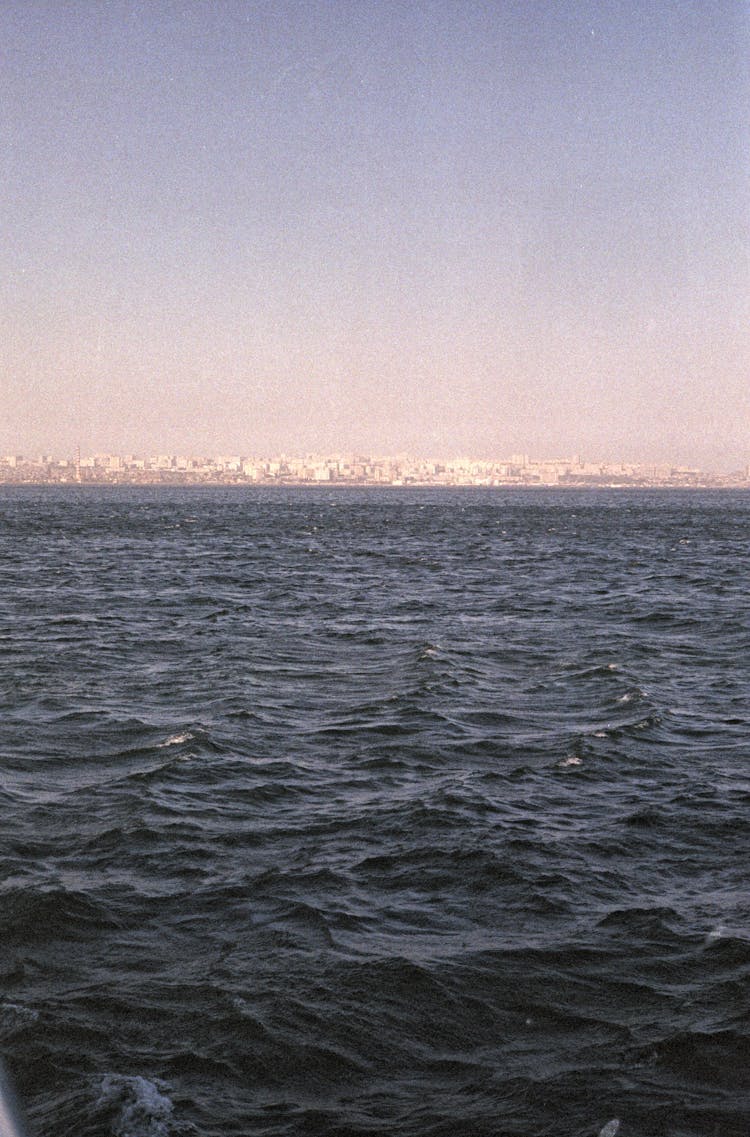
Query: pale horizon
{"type": "Point", "coordinates": [442, 229]}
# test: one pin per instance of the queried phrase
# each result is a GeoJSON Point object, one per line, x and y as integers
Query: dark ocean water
{"type": "Point", "coordinates": [396, 813]}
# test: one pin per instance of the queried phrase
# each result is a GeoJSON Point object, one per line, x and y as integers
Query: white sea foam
{"type": "Point", "coordinates": [572, 760]}
{"type": "Point", "coordinates": [715, 934]}
{"type": "Point", "coordinates": [610, 1128]}
{"type": "Point", "coordinates": [176, 739]}
{"type": "Point", "coordinates": [144, 1110]}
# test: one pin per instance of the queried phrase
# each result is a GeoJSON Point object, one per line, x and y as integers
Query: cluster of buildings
{"type": "Point", "coordinates": [518, 470]}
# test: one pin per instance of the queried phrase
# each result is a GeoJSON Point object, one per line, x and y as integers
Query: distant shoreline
{"type": "Point", "coordinates": [344, 486]}
{"type": "Point", "coordinates": [343, 470]}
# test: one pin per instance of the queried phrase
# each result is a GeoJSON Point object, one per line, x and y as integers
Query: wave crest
{"type": "Point", "coordinates": [143, 1109]}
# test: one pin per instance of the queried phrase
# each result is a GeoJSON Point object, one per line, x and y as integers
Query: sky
{"type": "Point", "coordinates": [436, 227]}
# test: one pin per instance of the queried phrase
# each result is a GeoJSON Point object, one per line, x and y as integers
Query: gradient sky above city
{"type": "Point", "coordinates": [435, 227]}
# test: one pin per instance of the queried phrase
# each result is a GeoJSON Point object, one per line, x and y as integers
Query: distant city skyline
{"type": "Point", "coordinates": [437, 228]}
{"type": "Point", "coordinates": [576, 456]}
{"type": "Point", "coordinates": [355, 468]}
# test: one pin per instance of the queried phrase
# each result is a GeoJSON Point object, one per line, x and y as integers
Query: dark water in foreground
{"type": "Point", "coordinates": [418, 814]}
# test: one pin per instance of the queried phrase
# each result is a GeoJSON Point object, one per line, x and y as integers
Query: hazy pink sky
{"type": "Point", "coordinates": [431, 226]}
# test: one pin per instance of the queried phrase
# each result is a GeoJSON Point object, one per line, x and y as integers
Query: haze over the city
{"type": "Point", "coordinates": [436, 227]}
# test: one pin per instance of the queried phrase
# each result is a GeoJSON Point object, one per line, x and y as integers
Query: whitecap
{"type": "Point", "coordinates": [610, 1128]}
{"type": "Point", "coordinates": [632, 696]}
{"type": "Point", "coordinates": [571, 760]}
{"type": "Point", "coordinates": [176, 739]}
{"type": "Point", "coordinates": [144, 1109]}
{"type": "Point", "coordinates": [715, 934]}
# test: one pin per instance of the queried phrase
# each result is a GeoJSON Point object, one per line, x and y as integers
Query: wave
{"type": "Point", "coordinates": [61, 913]}
{"type": "Point", "coordinates": [139, 1107]}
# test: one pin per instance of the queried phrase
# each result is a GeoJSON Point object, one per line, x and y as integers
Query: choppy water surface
{"type": "Point", "coordinates": [401, 813]}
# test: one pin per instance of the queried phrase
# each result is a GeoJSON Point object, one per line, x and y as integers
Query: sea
{"type": "Point", "coordinates": [390, 812]}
